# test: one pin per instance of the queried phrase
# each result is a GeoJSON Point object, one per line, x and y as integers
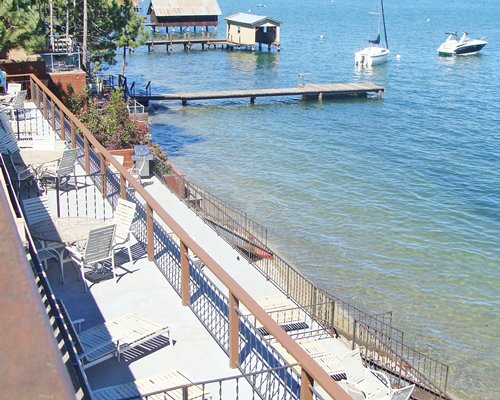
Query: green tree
{"type": "Point", "coordinates": [112, 126]}
{"type": "Point", "coordinates": [20, 26]}
{"type": "Point", "coordinates": [131, 33]}
{"type": "Point", "coordinates": [111, 24]}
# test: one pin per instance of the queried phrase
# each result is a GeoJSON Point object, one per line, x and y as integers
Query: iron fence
{"type": "Point", "coordinates": [334, 314]}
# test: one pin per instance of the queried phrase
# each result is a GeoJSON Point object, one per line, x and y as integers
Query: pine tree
{"type": "Point", "coordinates": [20, 26]}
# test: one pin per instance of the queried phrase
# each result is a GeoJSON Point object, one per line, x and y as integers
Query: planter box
{"type": "Point", "coordinates": [127, 156]}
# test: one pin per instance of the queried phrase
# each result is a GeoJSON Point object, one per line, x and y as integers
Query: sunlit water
{"type": "Point", "coordinates": [391, 204]}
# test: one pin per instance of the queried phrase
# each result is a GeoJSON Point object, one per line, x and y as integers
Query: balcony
{"type": "Point", "coordinates": [232, 332]}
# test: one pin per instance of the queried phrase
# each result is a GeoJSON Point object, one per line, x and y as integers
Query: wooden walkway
{"type": "Point", "coordinates": [187, 43]}
{"type": "Point", "coordinates": [318, 91]}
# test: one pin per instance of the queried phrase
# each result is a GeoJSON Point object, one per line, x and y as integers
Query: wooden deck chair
{"type": "Point", "coordinates": [123, 218]}
{"type": "Point", "coordinates": [98, 248]}
{"type": "Point", "coordinates": [113, 338]}
{"type": "Point", "coordinates": [161, 382]}
{"type": "Point", "coordinates": [372, 384]}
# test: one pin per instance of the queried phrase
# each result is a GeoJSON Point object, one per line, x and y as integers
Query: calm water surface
{"type": "Point", "coordinates": [390, 204]}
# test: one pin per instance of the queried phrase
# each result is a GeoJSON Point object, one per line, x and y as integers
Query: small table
{"type": "Point", "coordinates": [65, 230]}
{"type": "Point", "coordinates": [39, 157]}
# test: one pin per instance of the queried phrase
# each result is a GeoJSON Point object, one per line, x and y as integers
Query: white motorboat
{"type": "Point", "coordinates": [460, 47]}
{"type": "Point", "coordinates": [374, 53]}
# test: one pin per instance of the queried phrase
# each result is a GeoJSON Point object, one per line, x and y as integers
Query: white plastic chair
{"type": "Point", "coordinates": [37, 209]}
{"type": "Point", "coordinates": [403, 393]}
{"type": "Point", "coordinates": [98, 248]}
{"type": "Point", "coordinates": [368, 382]}
{"type": "Point", "coordinates": [64, 168]}
{"type": "Point", "coordinates": [123, 218]}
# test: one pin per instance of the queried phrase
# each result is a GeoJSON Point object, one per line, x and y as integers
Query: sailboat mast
{"type": "Point", "coordinates": [383, 21]}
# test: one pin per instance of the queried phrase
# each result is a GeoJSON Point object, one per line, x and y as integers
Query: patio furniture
{"type": "Point", "coordinates": [161, 382]}
{"type": "Point", "coordinates": [62, 169]}
{"type": "Point", "coordinates": [63, 232]}
{"type": "Point", "coordinates": [37, 211]}
{"type": "Point", "coordinates": [403, 393]}
{"type": "Point", "coordinates": [16, 104]}
{"type": "Point", "coordinates": [97, 249]}
{"type": "Point", "coordinates": [363, 381]}
{"type": "Point", "coordinates": [113, 338]}
{"type": "Point", "coordinates": [124, 216]}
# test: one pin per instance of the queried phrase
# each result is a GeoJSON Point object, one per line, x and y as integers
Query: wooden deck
{"type": "Point", "coordinates": [169, 42]}
{"type": "Point", "coordinates": [319, 91]}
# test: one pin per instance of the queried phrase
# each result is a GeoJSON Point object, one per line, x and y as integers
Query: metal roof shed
{"type": "Point", "coordinates": [171, 13]}
{"type": "Point", "coordinates": [248, 29]}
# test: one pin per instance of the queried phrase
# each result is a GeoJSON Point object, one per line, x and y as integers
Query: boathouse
{"type": "Point", "coordinates": [183, 13]}
{"type": "Point", "coordinates": [249, 30]}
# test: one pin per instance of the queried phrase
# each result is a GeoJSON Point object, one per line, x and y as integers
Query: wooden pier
{"type": "Point", "coordinates": [169, 42]}
{"type": "Point", "coordinates": [318, 91]}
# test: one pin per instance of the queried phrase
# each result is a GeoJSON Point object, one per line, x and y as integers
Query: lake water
{"type": "Point", "coordinates": [391, 204]}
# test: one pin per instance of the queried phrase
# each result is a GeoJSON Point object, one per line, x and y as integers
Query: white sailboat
{"type": "Point", "coordinates": [374, 53]}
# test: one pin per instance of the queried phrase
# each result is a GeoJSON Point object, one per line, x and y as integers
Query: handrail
{"type": "Point", "coordinates": [208, 382]}
{"type": "Point", "coordinates": [311, 371]}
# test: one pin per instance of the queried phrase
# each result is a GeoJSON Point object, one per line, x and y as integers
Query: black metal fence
{"type": "Point", "coordinates": [383, 343]}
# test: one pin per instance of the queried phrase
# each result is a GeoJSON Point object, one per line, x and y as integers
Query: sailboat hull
{"type": "Point", "coordinates": [371, 56]}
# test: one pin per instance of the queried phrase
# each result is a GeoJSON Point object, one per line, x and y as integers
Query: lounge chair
{"type": "Point", "coordinates": [158, 383]}
{"type": "Point", "coordinates": [286, 314]}
{"type": "Point", "coordinates": [123, 218]}
{"type": "Point", "coordinates": [363, 382]}
{"type": "Point", "coordinates": [112, 339]}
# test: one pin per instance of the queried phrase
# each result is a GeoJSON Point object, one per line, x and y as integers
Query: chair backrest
{"type": "Point", "coordinates": [36, 209]}
{"type": "Point", "coordinates": [19, 100]}
{"type": "Point", "coordinates": [13, 88]}
{"type": "Point", "coordinates": [8, 143]}
{"type": "Point", "coordinates": [402, 394]}
{"type": "Point", "coordinates": [124, 216]}
{"type": "Point", "coordinates": [4, 120]}
{"type": "Point", "coordinates": [67, 163]}
{"type": "Point", "coordinates": [99, 244]}
{"type": "Point", "coordinates": [354, 368]}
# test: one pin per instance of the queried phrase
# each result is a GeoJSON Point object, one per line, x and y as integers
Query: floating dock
{"type": "Point", "coordinates": [318, 91]}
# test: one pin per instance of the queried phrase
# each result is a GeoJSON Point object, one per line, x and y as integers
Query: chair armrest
{"type": "Point", "coordinates": [74, 253]}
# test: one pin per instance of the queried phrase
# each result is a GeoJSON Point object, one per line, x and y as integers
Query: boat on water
{"type": "Point", "coordinates": [374, 53]}
{"type": "Point", "coordinates": [465, 46]}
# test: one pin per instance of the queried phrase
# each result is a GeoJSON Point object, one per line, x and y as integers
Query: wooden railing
{"type": "Point", "coordinates": [66, 123]}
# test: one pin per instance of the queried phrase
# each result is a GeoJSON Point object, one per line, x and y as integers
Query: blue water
{"type": "Point", "coordinates": [391, 204]}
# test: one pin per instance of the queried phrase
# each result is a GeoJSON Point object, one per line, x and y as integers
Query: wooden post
{"type": "Point", "coordinates": [61, 122]}
{"type": "Point", "coordinates": [123, 189]}
{"type": "Point", "coordinates": [150, 236]}
{"type": "Point", "coordinates": [53, 115]}
{"type": "Point", "coordinates": [73, 136]}
{"type": "Point", "coordinates": [185, 294]}
{"type": "Point", "coordinates": [305, 381]}
{"type": "Point", "coordinates": [252, 100]}
{"type": "Point", "coordinates": [86, 149]}
{"type": "Point", "coordinates": [184, 102]}
{"type": "Point", "coordinates": [234, 351]}
{"type": "Point", "coordinates": [37, 97]}
{"type": "Point", "coordinates": [103, 176]}
{"type": "Point", "coordinates": [32, 90]}
{"type": "Point", "coordinates": [44, 97]}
